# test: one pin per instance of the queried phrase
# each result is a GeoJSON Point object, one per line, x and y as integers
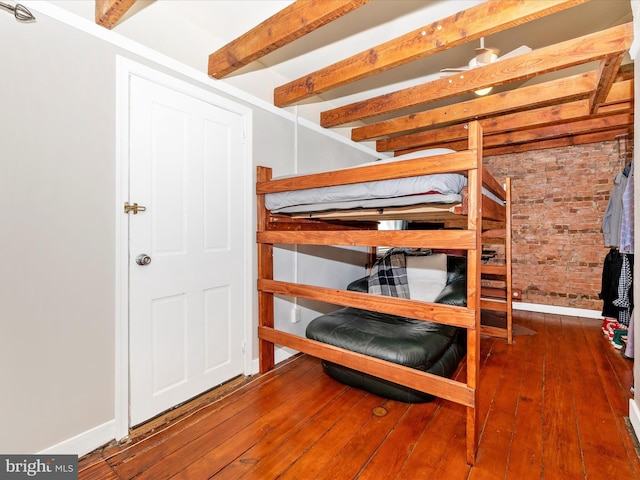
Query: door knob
{"type": "Point", "coordinates": [143, 259]}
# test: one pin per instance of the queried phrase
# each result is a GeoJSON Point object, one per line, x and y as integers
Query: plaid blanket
{"type": "Point", "coordinates": [389, 275]}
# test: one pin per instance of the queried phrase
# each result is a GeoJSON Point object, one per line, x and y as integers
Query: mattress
{"type": "Point", "coordinates": [424, 189]}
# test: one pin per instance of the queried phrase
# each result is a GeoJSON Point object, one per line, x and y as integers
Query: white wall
{"type": "Point", "coordinates": [57, 209]}
{"type": "Point", "coordinates": [58, 213]}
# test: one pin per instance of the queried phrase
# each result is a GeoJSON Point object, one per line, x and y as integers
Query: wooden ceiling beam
{"type": "Point", "coordinates": [534, 138]}
{"type": "Point", "coordinates": [540, 117]}
{"type": "Point", "coordinates": [289, 24]}
{"type": "Point", "coordinates": [471, 24]}
{"type": "Point", "coordinates": [611, 42]}
{"type": "Point", "coordinates": [603, 136]}
{"type": "Point", "coordinates": [625, 72]}
{"type": "Point", "coordinates": [593, 125]}
{"type": "Point", "coordinates": [513, 121]}
{"type": "Point", "coordinates": [109, 12]}
{"type": "Point", "coordinates": [607, 72]}
{"type": "Point", "coordinates": [549, 93]}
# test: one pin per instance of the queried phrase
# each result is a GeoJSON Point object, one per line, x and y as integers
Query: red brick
{"type": "Point", "coordinates": [559, 199]}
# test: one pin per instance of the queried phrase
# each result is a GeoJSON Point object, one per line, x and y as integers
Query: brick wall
{"type": "Point", "coordinates": [559, 199]}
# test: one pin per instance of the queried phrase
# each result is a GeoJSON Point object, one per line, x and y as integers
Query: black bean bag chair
{"type": "Point", "coordinates": [426, 346]}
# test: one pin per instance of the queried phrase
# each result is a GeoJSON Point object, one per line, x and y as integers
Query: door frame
{"type": "Point", "coordinates": [125, 68]}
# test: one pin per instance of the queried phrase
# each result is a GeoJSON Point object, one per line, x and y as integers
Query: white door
{"type": "Point", "coordinates": [186, 305]}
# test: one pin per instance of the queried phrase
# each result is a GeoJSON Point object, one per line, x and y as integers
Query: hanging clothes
{"type": "Point", "coordinates": [627, 221]}
{"type": "Point", "coordinates": [612, 220]}
{"type": "Point", "coordinates": [610, 279]}
{"type": "Point", "coordinates": [624, 301]}
{"type": "Point", "coordinates": [617, 227]}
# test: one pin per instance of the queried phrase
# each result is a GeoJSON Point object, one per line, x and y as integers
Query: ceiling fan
{"type": "Point", "coordinates": [485, 56]}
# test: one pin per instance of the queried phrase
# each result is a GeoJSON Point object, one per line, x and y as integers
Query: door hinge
{"type": "Point", "coordinates": [135, 208]}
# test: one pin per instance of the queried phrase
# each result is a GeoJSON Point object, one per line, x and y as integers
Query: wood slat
{"type": "Point", "coordinates": [109, 12]}
{"type": "Point", "coordinates": [493, 331]}
{"type": "Point", "coordinates": [494, 233]}
{"type": "Point", "coordinates": [192, 437]}
{"type": "Point", "coordinates": [265, 270]}
{"type": "Point", "coordinates": [464, 239]}
{"type": "Point", "coordinates": [605, 136]}
{"type": "Point", "coordinates": [489, 269]}
{"type": "Point", "coordinates": [534, 96]}
{"type": "Point", "coordinates": [495, 306]}
{"type": "Point", "coordinates": [468, 25]}
{"type": "Point", "coordinates": [271, 427]}
{"type": "Point", "coordinates": [561, 455]}
{"type": "Point", "coordinates": [606, 43]}
{"type": "Point", "coordinates": [519, 384]}
{"type": "Point", "coordinates": [291, 23]}
{"type": "Point", "coordinates": [562, 130]}
{"type": "Point", "coordinates": [347, 409]}
{"type": "Point", "coordinates": [609, 68]}
{"type": "Point", "coordinates": [447, 389]}
{"type": "Point", "coordinates": [344, 464]}
{"type": "Point", "coordinates": [390, 457]}
{"type": "Point", "coordinates": [413, 212]}
{"type": "Point", "coordinates": [492, 210]}
{"type": "Point", "coordinates": [328, 445]}
{"type": "Point", "coordinates": [621, 92]}
{"type": "Point", "coordinates": [448, 163]}
{"type": "Point", "coordinates": [474, 224]}
{"type": "Point", "coordinates": [215, 448]}
{"type": "Point", "coordinates": [99, 471]}
{"type": "Point", "coordinates": [619, 100]}
{"type": "Point", "coordinates": [434, 312]}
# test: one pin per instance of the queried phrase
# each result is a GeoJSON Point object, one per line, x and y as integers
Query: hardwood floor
{"type": "Point", "coordinates": [553, 405]}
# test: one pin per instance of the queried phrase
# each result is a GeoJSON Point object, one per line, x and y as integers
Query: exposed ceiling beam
{"type": "Point", "coordinates": [620, 92]}
{"type": "Point", "coordinates": [289, 24]}
{"type": "Point", "coordinates": [611, 42]}
{"type": "Point", "coordinates": [607, 72]}
{"type": "Point", "coordinates": [573, 138]}
{"type": "Point", "coordinates": [512, 121]}
{"type": "Point", "coordinates": [534, 96]}
{"type": "Point", "coordinates": [540, 117]}
{"type": "Point", "coordinates": [550, 132]}
{"type": "Point", "coordinates": [109, 12]}
{"type": "Point", "coordinates": [597, 124]}
{"type": "Point", "coordinates": [478, 21]}
{"type": "Point", "coordinates": [604, 136]}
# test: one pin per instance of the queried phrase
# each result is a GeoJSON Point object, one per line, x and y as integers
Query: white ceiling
{"type": "Point", "coordinates": [189, 30]}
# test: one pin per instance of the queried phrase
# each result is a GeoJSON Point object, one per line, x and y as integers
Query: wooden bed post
{"type": "Point", "coordinates": [265, 271]}
{"type": "Point", "coordinates": [508, 263]}
{"type": "Point", "coordinates": [473, 288]}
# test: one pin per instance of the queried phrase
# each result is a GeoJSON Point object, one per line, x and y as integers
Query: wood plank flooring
{"type": "Point", "coordinates": [552, 405]}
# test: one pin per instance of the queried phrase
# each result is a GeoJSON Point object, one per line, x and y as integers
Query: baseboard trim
{"type": "Point", "coordinates": [569, 311]}
{"type": "Point", "coordinates": [85, 442]}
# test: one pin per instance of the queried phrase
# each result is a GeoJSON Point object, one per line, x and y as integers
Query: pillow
{"type": "Point", "coordinates": [426, 275]}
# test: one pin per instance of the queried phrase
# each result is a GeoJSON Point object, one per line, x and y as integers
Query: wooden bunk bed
{"type": "Point", "coordinates": [360, 229]}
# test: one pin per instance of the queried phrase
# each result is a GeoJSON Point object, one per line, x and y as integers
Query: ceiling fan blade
{"type": "Point", "coordinates": [518, 51]}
